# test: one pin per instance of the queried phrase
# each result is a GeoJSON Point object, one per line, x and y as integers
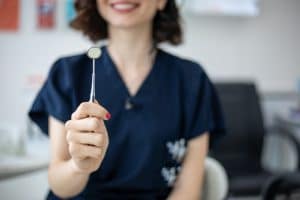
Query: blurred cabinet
{"type": "Point", "coordinates": [30, 186]}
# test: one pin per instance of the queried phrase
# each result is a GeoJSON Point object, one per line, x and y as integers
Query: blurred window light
{"type": "Point", "coordinates": [221, 7]}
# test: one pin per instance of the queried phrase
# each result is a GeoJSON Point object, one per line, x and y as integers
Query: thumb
{"type": "Point", "coordinates": [96, 102]}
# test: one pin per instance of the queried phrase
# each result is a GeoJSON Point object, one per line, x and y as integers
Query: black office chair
{"type": "Point", "coordinates": [241, 150]}
{"type": "Point", "coordinates": [285, 185]}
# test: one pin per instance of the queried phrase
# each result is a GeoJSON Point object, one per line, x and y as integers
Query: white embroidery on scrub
{"type": "Point", "coordinates": [169, 175]}
{"type": "Point", "coordinates": [177, 150]}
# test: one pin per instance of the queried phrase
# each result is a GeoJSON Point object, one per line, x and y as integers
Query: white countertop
{"type": "Point", "coordinates": [35, 158]}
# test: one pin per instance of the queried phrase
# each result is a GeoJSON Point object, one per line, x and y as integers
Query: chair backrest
{"type": "Point", "coordinates": [240, 150]}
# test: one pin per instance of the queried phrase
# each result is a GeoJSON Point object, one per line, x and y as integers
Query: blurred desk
{"type": "Point", "coordinates": [291, 118]}
{"type": "Point", "coordinates": [289, 121]}
{"type": "Point", "coordinates": [36, 158]}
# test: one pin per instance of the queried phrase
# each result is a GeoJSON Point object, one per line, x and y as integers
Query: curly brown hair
{"type": "Point", "coordinates": [166, 23]}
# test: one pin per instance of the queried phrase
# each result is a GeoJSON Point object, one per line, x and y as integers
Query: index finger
{"type": "Point", "coordinates": [88, 109]}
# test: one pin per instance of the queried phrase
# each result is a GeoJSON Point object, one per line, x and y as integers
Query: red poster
{"type": "Point", "coordinates": [46, 13]}
{"type": "Point", "coordinates": [9, 15]}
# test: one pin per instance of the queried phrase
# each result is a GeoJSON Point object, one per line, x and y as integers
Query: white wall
{"type": "Point", "coordinates": [264, 48]}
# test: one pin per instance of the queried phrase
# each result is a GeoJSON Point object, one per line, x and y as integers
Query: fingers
{"type": "Point", "coordinates": [81, 151]}
{"type": "Point", "coordinates": [88, 109]}
{"type": "Point", "coordinates": [91, 124]}
{"type": "Point", "coordinates": [86, 132]}
{"type": "Point", "coordinates": [92, 139]}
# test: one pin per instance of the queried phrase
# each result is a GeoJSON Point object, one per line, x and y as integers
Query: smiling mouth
{"type": "Point", "coordinates": [124, 7]}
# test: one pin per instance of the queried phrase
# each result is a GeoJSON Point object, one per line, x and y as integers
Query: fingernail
{"type": "Point", "coordinates": [108, 116]}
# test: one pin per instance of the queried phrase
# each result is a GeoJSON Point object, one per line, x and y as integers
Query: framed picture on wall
{"type": "Point", "coordinates": [46, 14]}
{"type": "Point", "coordinates": [70, 12]}
{"type": "Point", "coordinates": [9, 15]}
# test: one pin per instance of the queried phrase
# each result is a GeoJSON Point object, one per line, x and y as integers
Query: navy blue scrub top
{"type": "Point", "coordinates": [148, 132]}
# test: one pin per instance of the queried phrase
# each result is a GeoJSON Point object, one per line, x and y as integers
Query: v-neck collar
{"type": "Point", "coordinates": [143, 86]}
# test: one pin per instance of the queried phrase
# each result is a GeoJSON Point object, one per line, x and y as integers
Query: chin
{"type": "Point", "coordinates": [127, 23]}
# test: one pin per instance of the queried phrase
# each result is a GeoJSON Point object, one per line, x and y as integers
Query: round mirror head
{"type": "Point", "coordinates": [94, 53]}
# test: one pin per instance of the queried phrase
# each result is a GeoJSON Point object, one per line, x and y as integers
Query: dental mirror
{"type": "Point", "coordinates": [93, 53]}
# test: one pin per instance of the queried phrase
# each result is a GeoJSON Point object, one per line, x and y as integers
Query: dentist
{"type": "Point", "coordinates": [156, 115]}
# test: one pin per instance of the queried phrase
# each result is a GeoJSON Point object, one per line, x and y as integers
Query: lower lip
{"type": "Point", "coordinates": [124, 10]}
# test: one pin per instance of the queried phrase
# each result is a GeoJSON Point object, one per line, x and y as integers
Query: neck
{"type": "Point", "coordinates": [131, 47]}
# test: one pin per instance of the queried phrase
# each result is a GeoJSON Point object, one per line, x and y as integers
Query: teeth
{"type": "Point", "coordinates": [124, 6]}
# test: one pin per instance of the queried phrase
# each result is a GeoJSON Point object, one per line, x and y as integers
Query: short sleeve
{"type": "Point", "coordinates": [54, 98]}
{"type": "Point", "coordinates": [203, 112]}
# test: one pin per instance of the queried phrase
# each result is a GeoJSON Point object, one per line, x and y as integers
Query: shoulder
{"type": "Point", "coordinates": [69, 63]}
{"type": "Point", "coordinates": [188, 70]}
{"type": "Point", "coordinates": [65, 71]}
{"type": "Point", "coordinates": [68, 66]}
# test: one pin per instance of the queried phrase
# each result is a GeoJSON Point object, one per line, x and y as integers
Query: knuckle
{"type": "Point", "coordinates": [82, 106]}
{"type": "Point", "coordinates": [103, 112]}
{"type": "Point", "coordinates": [73, 115]}
{"type": "Point", "coordinates": [67, 124]}
{"type": "Point", "coordinates": [69, 136]}
{"type": "Point", "coordinates": [94, 123]}
{"type": "Point", "coordinates": [72, 149]}
{"type": "Point", "coordinates": [98, 153]}
{"type": "Point", "coordinates": [99, 140]}
{"type": "Point", "coordinates": [100, 110]}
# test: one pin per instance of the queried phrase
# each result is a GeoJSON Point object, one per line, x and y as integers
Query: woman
{"type": "Point", "coordinates": [148, 134]}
